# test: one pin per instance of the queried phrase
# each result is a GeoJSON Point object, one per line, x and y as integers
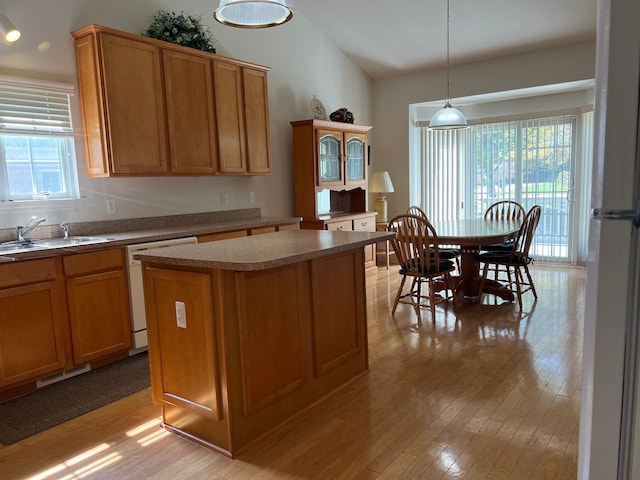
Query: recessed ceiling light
{"type": "Point", "coordinates": [43, 46]}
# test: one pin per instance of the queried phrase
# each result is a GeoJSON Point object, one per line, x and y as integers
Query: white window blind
{"type": "Point", "coordinates": [37, 151]}
{"type": "Point", "coordinates": [42, 108]}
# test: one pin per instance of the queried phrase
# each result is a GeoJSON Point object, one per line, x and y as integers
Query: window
{"type": "Point", "coordinates": [529, 161]}
{"type": "Point", "coordinates": [37, 156]}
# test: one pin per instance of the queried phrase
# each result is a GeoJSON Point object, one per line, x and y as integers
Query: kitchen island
{"type": "Point", "coordinates": [246, 333]}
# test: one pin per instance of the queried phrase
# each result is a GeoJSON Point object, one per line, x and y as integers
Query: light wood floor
{"type": "Point", "coordinates": [480, 394]}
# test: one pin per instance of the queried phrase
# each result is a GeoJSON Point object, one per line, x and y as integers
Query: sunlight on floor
{"type": "Point", "coordinates": [99, 457]}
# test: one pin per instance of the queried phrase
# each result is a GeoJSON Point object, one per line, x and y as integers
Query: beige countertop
{"type": "Point", "coordinates": [264, 251]}
{"type": "Point", "coordinates": [124, 232]}
{"type": "Point", "coordinates": [179, 231]}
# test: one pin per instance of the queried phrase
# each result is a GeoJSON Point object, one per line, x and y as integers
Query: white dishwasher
{"type": "Point", "coordinates": [136, 294]}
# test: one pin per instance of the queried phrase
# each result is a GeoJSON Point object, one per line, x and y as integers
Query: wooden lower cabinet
{"type": "Point", "coordinates": [346, 223]}
{"type": "Point", "coordinates": [33, 324]}
{"type": "Point", "coordinates": [255, 347]}
{"type": "Point", "coordinates": [212, 237]}
{"type": "Point", "coordinates": [98, 303]}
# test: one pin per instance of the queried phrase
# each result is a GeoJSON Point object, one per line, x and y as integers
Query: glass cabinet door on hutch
{"type": "Point", "coordinates": [329, 158]}
{"type": "Point", "coordinates": [356, 159]}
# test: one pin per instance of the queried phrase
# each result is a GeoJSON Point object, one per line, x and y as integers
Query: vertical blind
{"type": "Point", "coordinates": [530, 161]}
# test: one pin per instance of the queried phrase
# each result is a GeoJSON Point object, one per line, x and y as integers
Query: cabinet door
{"type": "Point", "coordinates": [356, 158]}
{"type": "Point", "coordinates": [92, 107]}
{"type": "Point", "coordinates": [256, 115]}
{"type": "Point", "coordinates": [31, 332]}
{"type": "Point", "coordinates": [368, 224]}
{"type": "Point", "coordinates": [135, 106]}
{"type": "Point", "coordinates": [190, 118]}
{"type": "Point", "coordinates": [329, 158]}
{"type": "Point", "coordinates": [98, 315]}
{"type": "Point", "coordinates": [227, 79]}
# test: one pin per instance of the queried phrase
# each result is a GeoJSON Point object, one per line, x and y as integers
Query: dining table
{"type": "Point", "coordinates": [471, 235]}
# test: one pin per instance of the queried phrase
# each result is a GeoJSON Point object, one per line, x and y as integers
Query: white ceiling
{"type": "Point", "coordinates": [394, 37]}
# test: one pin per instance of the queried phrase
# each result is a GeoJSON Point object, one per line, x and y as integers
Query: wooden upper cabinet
{"type": "Point", "coordinates": [190, 118]}
{"type": "Point", "coordinates": [230, 116]}
{"type": "Point", "coordinates": [130, 121]}
{"type": "Point", "coordinates": [153, 108]}
{"type": "Point", "coordinates": [256, 114]}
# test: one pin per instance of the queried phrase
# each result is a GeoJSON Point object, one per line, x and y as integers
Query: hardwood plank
{"type": "Point", "coordinates": [483, 393]}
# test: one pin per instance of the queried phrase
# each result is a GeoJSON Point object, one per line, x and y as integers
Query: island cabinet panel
{"type": "Point", "coordinates": [268, 334]}
{"type": "Point", "coordinates": [190, 119]}
{"type": "Point", "coordinates": [186, 350]}
{"type": "Point", "coordinates": [338, 321]}
{"type": "Point", "coordinates": [98, 302]}
{"type": "Point", "coordinates": [271, 334]}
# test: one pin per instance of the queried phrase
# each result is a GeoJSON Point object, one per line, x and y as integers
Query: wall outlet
{"type": "Point", "coordinates": [224, 199]}
{"type": "Point", "coordinates": [252, 197]}
{"type": "Point", "coordinates": [111, 206]}
{"type": "Point", "coordinates": [181, 315]}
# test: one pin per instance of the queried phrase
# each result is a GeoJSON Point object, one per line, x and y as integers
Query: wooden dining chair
{"type": "Point", "coordinates": [414, 237]}
{"type": "Point", "coordinates": [446, 253]}
{"type": "Point", "coordinates": [503, 210]}
{"type": "Point", "coordinates": [515, 261]}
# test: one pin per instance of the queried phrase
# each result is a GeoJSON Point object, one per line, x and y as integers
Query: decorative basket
{"type": "Point", "coordinates": [341, 115]}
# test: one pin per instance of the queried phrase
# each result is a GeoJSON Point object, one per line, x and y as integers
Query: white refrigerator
{"type": "Point", "coordinates": [610, 417]}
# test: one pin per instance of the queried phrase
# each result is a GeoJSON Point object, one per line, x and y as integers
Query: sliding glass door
{"type": "Point", "coordinates": [529, 161]}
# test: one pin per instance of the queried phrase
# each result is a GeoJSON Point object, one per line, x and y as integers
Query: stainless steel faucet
{"type": "Point", "coordinates": [24, 230]}
{"type": "Point", "coordinates": [65, 229]}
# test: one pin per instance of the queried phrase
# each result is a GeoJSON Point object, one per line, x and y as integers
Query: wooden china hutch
{"type": "Point", "coordinates": [331, 178]}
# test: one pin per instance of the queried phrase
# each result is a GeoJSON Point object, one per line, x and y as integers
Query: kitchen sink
{"type": "Point", "coordinates": [18, 246]}
{"type": "Point", "coordinates": [66, 242]}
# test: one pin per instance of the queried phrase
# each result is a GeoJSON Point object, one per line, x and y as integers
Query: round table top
{"type": "Point", "coordinates": [477, 231]}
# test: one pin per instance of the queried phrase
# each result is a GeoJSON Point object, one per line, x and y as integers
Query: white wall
{"type": "Point", "coordinates": [393, 98]}
{"type": "Point", "coordinates": [302, 61]}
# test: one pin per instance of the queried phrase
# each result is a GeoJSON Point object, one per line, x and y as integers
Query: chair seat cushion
{"type": "Point", "coordinates": [447, 253]}
{"type": "Point", "coordinates": [443, 265]}
{"type": "Point", "coordinates": [499, 247]}
{"type": "Point", "coordinates": [504, 257]}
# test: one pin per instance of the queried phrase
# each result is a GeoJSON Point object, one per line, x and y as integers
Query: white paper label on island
{"type": "Point", "coordinates": [181, 314]}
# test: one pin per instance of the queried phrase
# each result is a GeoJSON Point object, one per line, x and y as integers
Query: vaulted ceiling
{"type": "Point", "coordinates": [394, 37]}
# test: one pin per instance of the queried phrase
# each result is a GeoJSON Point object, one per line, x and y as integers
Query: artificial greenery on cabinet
{"type": "Point", "coordinates": [180, 29]}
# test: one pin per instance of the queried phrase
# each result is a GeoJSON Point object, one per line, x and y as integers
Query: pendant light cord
{"type": "Point", "coordinates": [448, 100]}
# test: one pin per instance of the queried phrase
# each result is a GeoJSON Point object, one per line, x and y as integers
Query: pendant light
{"type": "Point", "coordinates": [8, 30]}
{"type": "Point", "coordinates": [253, 13]}
{"type": "Point", "coordinates": [448, 118]}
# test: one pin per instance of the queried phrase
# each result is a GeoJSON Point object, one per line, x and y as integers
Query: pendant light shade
{"type": "Point", "coordinates": [8, 30]}
{"type": "Point", "coordinates": [448, 118]}
{"type": "Point", "coordinates": [253, 13]}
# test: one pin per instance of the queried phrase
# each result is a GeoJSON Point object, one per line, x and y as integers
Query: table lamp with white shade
{"type": "Point", "coordinates": [380, 183]}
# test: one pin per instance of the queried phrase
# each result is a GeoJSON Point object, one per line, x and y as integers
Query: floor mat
{"type": "Point", "coordinates": [56, 403]}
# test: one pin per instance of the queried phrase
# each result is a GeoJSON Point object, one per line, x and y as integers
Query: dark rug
{"type": "Point", "coordinates": [56, 403]}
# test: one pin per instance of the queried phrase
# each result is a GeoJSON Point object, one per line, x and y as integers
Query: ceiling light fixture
{"type": "Point", "coordinates": [448, 118]}
{"type": "Point", "coordinates": [8, 30]}
{"type": "Point", "coordinates": [253, 13]}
